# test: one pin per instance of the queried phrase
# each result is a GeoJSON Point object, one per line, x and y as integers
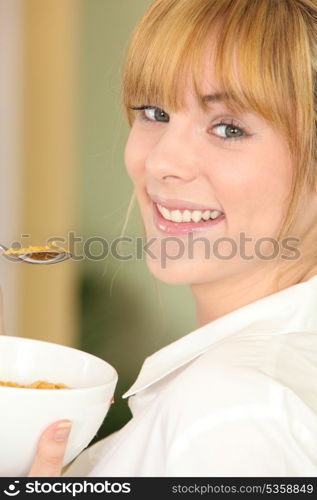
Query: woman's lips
{"type": "Point", "coordinates": [173, 204]}
{"type": "Point", "coordinates": [180, 228]}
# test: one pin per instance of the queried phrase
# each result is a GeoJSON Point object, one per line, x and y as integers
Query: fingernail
{"type": "Point", "coordinates": [62, 431]}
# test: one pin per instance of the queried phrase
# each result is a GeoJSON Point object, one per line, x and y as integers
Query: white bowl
{"type": "Point", "coordinates": [25, 413]}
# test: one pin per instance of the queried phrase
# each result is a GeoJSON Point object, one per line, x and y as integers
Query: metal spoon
{"type": "Point", "coordinates": [40, 257]}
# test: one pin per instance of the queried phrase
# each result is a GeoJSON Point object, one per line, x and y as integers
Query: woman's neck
{"type": "Point", "coordinates": [214, 300]}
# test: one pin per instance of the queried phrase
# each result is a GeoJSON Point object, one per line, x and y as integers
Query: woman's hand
{"type": "Point", "coordinates": [50, 450]}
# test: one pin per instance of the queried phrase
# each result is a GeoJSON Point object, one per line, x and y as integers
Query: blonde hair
{"type": "Point", "coordinates": [275, 47]}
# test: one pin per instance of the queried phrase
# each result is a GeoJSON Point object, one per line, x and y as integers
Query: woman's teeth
{"type": "Point", "coordinates": [188, 215]}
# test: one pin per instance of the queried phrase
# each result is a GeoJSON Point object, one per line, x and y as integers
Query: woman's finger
{"type": "Point", "coordinates": [51, 450]}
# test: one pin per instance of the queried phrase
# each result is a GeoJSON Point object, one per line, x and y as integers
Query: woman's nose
{"type": "Point", "coordinates": [175, 155]}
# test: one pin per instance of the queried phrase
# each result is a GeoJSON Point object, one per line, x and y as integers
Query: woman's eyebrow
{"type": "Point", "coordinates": [226, 98]}
{"type": "Point", "coordinates": [216, 97]}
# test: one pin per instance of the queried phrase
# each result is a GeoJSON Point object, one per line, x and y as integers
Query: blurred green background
{"type": "Point", "coordinates": [122, 317]}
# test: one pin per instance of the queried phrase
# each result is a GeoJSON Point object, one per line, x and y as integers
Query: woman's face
{"type": "Point", "coordinates": [235, 164]}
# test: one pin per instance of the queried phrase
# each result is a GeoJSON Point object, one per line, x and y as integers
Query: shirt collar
{"type": "Point", "coordinates": [292, 309]}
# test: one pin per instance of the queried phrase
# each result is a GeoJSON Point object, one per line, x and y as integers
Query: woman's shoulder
{"type": "Point", "coordinates": [243, 409]}
{"type": "Point", "coordinates": [273, 375]}
{"type": "Point", "coordinates": [287, 360]}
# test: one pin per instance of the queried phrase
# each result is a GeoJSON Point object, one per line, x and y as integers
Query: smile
{"type": "Point", "coordinates": [188, 215]}
{"type": "Point", "coordinates": [180, 222]}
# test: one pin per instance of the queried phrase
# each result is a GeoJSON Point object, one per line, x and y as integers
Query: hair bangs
{"type": "Point", "coordinates": [160, 61]}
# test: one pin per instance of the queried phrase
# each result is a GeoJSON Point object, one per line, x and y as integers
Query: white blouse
{"type": "Point", "coordinates": [236, 397]}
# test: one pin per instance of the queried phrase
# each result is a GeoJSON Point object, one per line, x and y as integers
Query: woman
{"type": "Point", "coordinates": [221, 98]}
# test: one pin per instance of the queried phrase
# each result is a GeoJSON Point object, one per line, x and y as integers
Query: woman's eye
{"type": "Point", "coordinates": [227, 131]}
{"type": "Point", "coordinates": [152, 114]}
{"type": "Point", "coordinates": [156, 114]}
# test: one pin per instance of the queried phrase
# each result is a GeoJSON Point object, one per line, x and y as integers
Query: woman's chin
{"type": "Point", "coordinates": [178, 272]}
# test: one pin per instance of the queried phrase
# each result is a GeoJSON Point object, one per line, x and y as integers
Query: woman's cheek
{"type": "Point", "coordinates": [134, 156]}
{"type": "Point", "coordinates": [128, 157]}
